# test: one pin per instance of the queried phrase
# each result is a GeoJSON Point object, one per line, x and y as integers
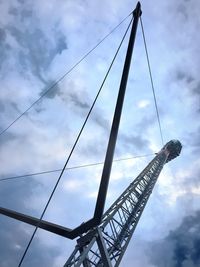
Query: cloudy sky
{"type": "Point", "coordinates": [42, 40]}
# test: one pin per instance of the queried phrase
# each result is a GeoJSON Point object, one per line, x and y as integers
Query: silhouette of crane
{"type": "Point", "coordinates": [106, 244]}
{"type": "Point", "coordinates": [104, 238]}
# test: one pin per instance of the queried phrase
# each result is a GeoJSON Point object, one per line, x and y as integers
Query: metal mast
{"type": "Point", "coordinates": [104, 246]}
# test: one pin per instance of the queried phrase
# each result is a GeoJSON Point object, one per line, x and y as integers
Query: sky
{"type": "Point", "coordinates": [39, 42]}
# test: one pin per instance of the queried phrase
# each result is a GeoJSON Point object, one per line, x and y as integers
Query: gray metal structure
{"type": "Point", "coordinates": [104, 238]}
{"type": "Point", "coordinates": [105, 245]}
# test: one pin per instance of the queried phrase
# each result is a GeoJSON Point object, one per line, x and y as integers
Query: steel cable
{"type": "Point", "coordinates": [70, 168]}
{"type": "Point", "coordinates": [152, 84]}
{"type": "Point", "coordinates": [63, 76]}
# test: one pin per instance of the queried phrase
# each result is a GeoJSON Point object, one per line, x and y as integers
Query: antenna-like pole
{"type": "Point", "coordinates": [116, 119]}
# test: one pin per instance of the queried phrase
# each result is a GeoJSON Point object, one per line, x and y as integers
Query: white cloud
{"type": "Point", "coordinates": [143, 103]}
{"type": "Point", "coordinates": [17, 247]}
{"type": "Point", "coordinates": [93, 194]}
{"type": "Point", "coordinates": [73, 185]}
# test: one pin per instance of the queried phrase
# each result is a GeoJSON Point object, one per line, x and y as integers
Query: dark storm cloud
{"type": "Point", "coordinates": [190, 83]}
{"type": "Point", "coordinates": [185, 43]}
{"type": "Point", "coordinates": [191, 181]}
{"type": "Point", "coordinates": [47, 256]}
{"type": "Point", "coordinates": [181, 75]}
{"type": "Point", "coordinates": [36, 52]}
{"type": "Point", "coordinates": [4, 46]}
{"type": "Point", "coordinates": [187, 47]}
{"type": "Point", "coordinates": [14, 193]}
{"type": "Point", "coordinates": [10, 251]}
{"type": "Point", "coordinates": [7, 107]}
{"type": "Point", "coordinates": [50, 90]}
{"type": "Point", "coordinates": [2, 107]}
{"type": "Point", "coordinates": [13, 11]}
{"type": "Point", "coordinates": [73, 95]}
{"type": "Point", "coordinates": [185, 76]}
{"type": "Point", "coordinates": [126, 143]}
{"type": "Point", "coordinates": [192, 141]}
{"type": "Point", "coordinates": [100, 120]}
{"type": "Point", "coordinates": [77, 97]}
{"type": "Point", "coordinates": [13, 239]}
{"type": "Point", "coordinates": [196, 90]}
{"type": "Point", "coordinates": [79, 101]}
{"type": "Point", "coordinates": [181, 248]}
{"type": "Point", "coordinates": [11, 193]}
{"type": "Point", "coordinates": [6, 137]}
{"type": "Point", "coordinates": [134, 143]}
{"type": "Point", "coordinates": [2, 35]}
{"type": "Point", "coordinates": [147, 122]}
{"type": "Point", "coordinates": [182, 9]}
{"type": "Point", "coordinates": [94, 149]}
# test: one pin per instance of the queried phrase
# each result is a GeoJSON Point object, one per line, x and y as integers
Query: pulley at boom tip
{"type": "Point", "coordinates": [174, 148]}
{"type": "Point", "coordinates": [137, 11]}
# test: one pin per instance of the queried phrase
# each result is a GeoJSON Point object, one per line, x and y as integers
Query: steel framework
{"type": "Point", "coordinates": [105, 244]}
{"type": "Point", "coordinates": [104, 238]}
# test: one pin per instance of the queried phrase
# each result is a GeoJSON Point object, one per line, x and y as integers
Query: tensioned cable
{"type": "Point", "coordinates": [72, 150]}
{"type": "Point", "coordinates": [151, 78]}
{"type": "Point", "coordinates": [71, 168]}
{"type": "Point", "coordinates": [63, 76]}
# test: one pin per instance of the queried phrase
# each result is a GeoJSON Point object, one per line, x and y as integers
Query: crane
{"type": "Point", "coordinates": [104, 238]}
{"type": "Point", "coordinates": [105, 245]}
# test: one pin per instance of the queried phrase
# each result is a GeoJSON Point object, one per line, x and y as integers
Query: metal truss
{"type": "Point", "coordinates": [105, 245]}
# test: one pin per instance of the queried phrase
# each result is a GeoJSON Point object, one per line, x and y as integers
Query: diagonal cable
{"type": "Point", "coordinates": [63, 76]}
{"type": "Point", "coordinates": [72, 150]}
{"type": "Point", "coordinates": [71, 168]}
{"type": "Point", "coordinates": [152, 84]}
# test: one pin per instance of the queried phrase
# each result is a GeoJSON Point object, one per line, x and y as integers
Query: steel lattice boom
{"type": "Point", "coordinates": [106, 244]}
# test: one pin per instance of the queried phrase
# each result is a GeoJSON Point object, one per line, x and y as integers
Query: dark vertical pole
{"type": "Point", "coordinates": [116, 119]}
